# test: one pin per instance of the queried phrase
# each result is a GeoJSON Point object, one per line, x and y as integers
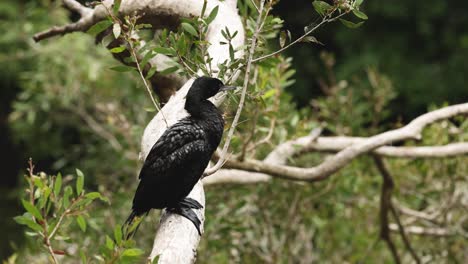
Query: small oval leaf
{"type": "Point", "coordinates": [79, 182]}
{"type": "Point", "coordinates": [190, 29]}
{"type": "Point", "coordinates": [99, 27]}
{"type": "Point", "coordinates": [212, 15]}
{"type": "Point", "coordinates": [117, 49]}
{"type": "Point", "coordinates": [81, 223]}
{"type": "Point", "coordinates": [321, 7]}
{"type": "Point", "coordinates": [360, 14]}
{"type": "Point", "coordinates": [350, 24]}
{"type": "Point", "coordinates": [31, 209]}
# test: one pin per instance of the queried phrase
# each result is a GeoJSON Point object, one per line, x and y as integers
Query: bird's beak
{"type": "Point", "coordinates": [227, 88]}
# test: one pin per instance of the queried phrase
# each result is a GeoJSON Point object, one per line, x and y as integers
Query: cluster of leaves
{"type": "Point", "coordinates": [51, 208]}
{"type": "Point", "coordinates": [355, 98]}
{"type": "Point", "coordinates": [186, 48]}
{"type": "Point", "coordinates": [328, 13]}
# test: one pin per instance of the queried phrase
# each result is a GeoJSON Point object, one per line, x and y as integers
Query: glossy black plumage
{"type": "Point", "coordinates": [177, 160]}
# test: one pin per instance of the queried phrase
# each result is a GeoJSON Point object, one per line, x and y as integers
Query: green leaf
{"type": "Point", "coordinates": [169, 70]}
{"type": "Point", "coordinates": [122, 68]}
{"type": "Point", "coordinates": [156, 259]}
{"type": "Point", "coordinates": [24, 220]}
{"type": "Point", "coordinates": [224, 34]}
{"type": "Point", "coordinates": [231, 52]}
{"type": "Point", "coordinates": [311, 39]}
{"type": "Point", "coordinates": [150, 109]}
{"type": "Point", "coordinates": [99, 27]}
{"type": "Point", "coordinates": [93, 195]}
{"type": "Point", "coordinates": [83, 202]}
{"type": "Point", "coordinates": [118, 49]}
{"type": "Point", "coordinates": [38, 182]}
{"type": "Point", "coordinates": [350, 24]}
{"type": "Point", "coordinates": [148, 56]}
{"type": "Point", "coordinates": [360, 14]}
{"type": "Point", "coordinates": [32, 209]}
{"type": "Point", "coordinates": [81, 223]}
{"type": "Point", "coordinates": [190, 29]}
{"type": "Point", "coordinates": [58, 185]}
{"type": "Point", "coordinates": [83, 257]}
{"type": "Point", "coordinates": [116, 6]}
{"type": "Point", "coordinates": [358, 3]}
{"type": "Point", "coordinates": [118, 234]}
{"type": "Point", "coordinates": [181, 45]}
{"type": "Point", "coordinates": [79, 182]}
{"type": "Point", "coordinates": [269, 94]}
{"type": "Point", "coordinates": [151, 72]}
{"type": "Point", "coordinates": [68, 191]}
{"type": "Point", "coordinates": [44, 198]}
{"type": "Point", "coordinates": [212, 15]}
{"type": "Point", "coordinates": [132, 252]}
{"type": "Point", "coordinates": [109, 243]}
{"type": "Point", "coordinates": [143, 26]}
{"type": "Point", "coordinates": [165, 51]}
{"type": "Point", "coordinates": [321, 7]}
{"type": "Point", "coordinates": [203, 8]}
{"type": "Point", "coordinates": [116, 30]}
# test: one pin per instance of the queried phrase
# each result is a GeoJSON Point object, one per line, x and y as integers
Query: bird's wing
{"type": "Point", "coordinates": [179, 143]}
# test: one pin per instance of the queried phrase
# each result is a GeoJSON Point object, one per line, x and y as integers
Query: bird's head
{"type": "Point", "coordinates": [206, 87]}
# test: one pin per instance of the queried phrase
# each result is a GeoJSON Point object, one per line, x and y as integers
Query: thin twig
{"type": "Point", "coordinates": [253, 45]}
{"type": "Point", "coordinates": [385, 205]}
{"type": "Point", "coordinates": [98, 128]}
{"type": "Point", "coordinates": [31, 183]}
{"type": "Point", "coordinates": [403, 235]}
{"type": "Point", "coordinates": [128, 38]}
{"type": "Point", "coordinates": [389, 185]}
{"type": "Point", "coordinates": [255, 5]}
{"type": "Point", "coordinates": [251, 135]}
{"type": "Point", "coordinates": [267, 138]}
{"type": "Point", "coordinates": [324, 21]}
{"type": "Point", "coordinates": [132, 51]}
{"type": "Point", "coordinates": [58, 224]}
{"type": "Point", "coordinates": [51, 250]}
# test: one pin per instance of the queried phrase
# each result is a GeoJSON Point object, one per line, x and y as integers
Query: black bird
{"type": "Point", "coordinates": [177, 160]}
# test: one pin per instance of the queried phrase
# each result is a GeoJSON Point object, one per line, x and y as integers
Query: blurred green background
{"type": "Point", "coordinates": [61, 106]}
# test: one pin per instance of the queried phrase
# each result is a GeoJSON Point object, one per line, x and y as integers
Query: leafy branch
{"type": "Point", "coordinates": [49, 205]}
{"type": "Point", "coordinates": [328, 14]}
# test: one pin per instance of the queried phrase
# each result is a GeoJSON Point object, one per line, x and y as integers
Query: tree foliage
{"type": "Point", "coordinates": [76, 108]}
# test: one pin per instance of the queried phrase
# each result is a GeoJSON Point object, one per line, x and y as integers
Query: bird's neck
{"type": "Point", "coordinates": [209, 117]}
{"type": "Point", "coordinates": [200, 109]}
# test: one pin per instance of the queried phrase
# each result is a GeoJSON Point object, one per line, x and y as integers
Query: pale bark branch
{"type": "Point", "coordinates": [333, 164]}
{"type": "Point", "coordinates": [73, 5]}
{"type": "Point", "coordinates": [423, 231]}
{"type": "Point", "coordinates": [335, 144]}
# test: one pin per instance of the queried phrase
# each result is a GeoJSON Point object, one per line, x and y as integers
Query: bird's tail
{"type": "Point", "coordinates": [131, 225]}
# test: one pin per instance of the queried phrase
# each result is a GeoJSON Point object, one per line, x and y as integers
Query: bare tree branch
{"type": "Point", "coordinates": [334, 144]}
{"type": "Point", "coordinates": [333, 164]}
{"type": "Point", "coordinates": [385, 205]}
{"type": "Point", "coordinates": [73, 5]}
{"type": "Point", "coordinates": [403, 235]}
{"type": "Point", "coordinates": [423, 231]}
